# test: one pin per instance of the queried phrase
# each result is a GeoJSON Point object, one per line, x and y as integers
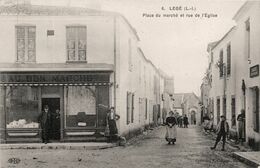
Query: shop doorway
{"type": "Point", "coordinates": [54, 107]}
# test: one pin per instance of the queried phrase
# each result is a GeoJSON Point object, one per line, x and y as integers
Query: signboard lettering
{"type": "Point", "coordinates": [254, 71]}
{"type": "Point", "coordinates": [52, 78]}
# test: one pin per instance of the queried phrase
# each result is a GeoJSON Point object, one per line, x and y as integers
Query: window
{"type": "Point", "coordinates": [130, 108]}
{"type": "Point", "coordinates": [221, 68]}
{"type": "Point", "coordinates": [224, 106]}
{"type": "Point", "coordinates": [229, 59]}
{"type": "Point", "coordinates": [212, 109]}
{"type": "Point", "coordinates": [146, 108]}
{"type": "Point", "coordinates": [218, 110]}
{"type": "Point", "coordinates": [76, 43]}
{"type": "Point", "coordinates": [247, 38]}
{"type": "Point", "coordinates": [22, 107]}
{"type": "Point", "coordinates": [25, 43]}
{"type": "Point", "coordinates": [233, 111]}
{"type": "Point", "coordinates": [80, 106]}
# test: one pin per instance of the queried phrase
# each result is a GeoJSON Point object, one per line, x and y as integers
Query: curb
{"type": "Point", "coordinates": [70, 146]}
{"type": "Point", "coordinates": [245, 160]}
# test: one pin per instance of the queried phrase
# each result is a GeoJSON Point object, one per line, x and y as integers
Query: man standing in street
{"type": "Point", "coordinates": [241, 126]}
{"type": "Point", "coordinates": [44, 120]}
{"type": "Point", "coordinates": [185, 121]}
{"type": "Point", "coordinates": [222, 131]}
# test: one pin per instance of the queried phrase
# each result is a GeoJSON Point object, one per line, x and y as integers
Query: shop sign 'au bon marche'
{"type": "Point", "coordinates": [6, 78]}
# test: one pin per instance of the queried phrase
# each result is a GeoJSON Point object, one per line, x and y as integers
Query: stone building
{"type": "Point", "coordinates": [188, 104]}
{"type": "Point", "coordinates": [235, 73]}
{"type": "Point", "coordinates": [78, 61]}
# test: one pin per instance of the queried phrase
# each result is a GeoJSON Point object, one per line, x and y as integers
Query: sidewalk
{"type": "Point", "coordinates": [250, 158]}
{"type": "Point", "coordinates": [243, 153]}
{"type": "Point", "coordinates": [67, 146]}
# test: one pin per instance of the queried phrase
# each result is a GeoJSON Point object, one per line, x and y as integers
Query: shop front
{"type": "Point", "coordinates": [77, 101]}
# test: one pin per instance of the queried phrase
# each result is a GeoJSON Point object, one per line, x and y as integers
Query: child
{"type": "Point", "coordinates": [222, 131]}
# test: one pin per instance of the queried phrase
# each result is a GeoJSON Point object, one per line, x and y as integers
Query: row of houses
{"type": "Point", "coordinates": [232, 79]}
{"type": "Point", "coordinates": [78, 61]}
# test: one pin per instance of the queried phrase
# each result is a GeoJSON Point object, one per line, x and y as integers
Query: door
{"type": "Point", "coordinates": [54, 107]}
{"type": "Point", "coordinates": [256, 109]}
{"type": "Point", "coordinates": [193, 118]}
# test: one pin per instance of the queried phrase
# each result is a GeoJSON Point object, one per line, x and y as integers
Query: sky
{"type": "Point", "coordinates": [177, 45]}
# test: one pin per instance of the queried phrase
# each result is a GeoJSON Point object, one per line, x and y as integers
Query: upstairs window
{"type": "Point", "coordinates": [221, 68]}
{"type": "Point", "coordinates": [25, 43]}
{"type": "Point", "coordinates": [247, 38]}
{"type": "Point", "coordinates": [229, 59]}
{"type": "Point", "coordinates": [76, 43]}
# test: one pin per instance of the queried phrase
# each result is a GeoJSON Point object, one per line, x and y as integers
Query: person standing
{"type": "Point", "coordinates": [222, 132]}
{"type": "Point", "coordinates": [111, 121]}
{"type": "Point", "coordinates": [180, 121]}
{"type": "Point", "coordinates": [45, 120]}
{"type": "Point", "coordinates": [185, 121]}
{"type": "Point", "coordinates": [171, 130]}
{"type": "Point", "coordinates": [241, 126]}
{"type": "Point", "coordinates": [55, 118]}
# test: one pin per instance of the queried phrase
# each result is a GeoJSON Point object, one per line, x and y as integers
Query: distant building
{"type": "Point", "coordinates": [188, 104]}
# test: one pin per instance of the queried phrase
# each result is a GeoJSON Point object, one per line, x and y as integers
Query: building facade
{"type": "Point", "coordinates": [188, 104]}
{"type": "Point", "coordinates": [235, 73]}
{"type": "Point", "coordinates": [78, 61]}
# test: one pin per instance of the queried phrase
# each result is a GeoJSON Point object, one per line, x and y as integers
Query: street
{"type": "Point", "coordinates": [192, 149]}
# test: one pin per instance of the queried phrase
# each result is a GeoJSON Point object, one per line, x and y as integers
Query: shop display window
{"type": "Point", "coordinates": [22, 107]}
{"type": "Point", "coordinates": [81, 106]}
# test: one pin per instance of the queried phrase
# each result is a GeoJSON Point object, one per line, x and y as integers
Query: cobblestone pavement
{"type": "Point", "coordinates": [192, 150]}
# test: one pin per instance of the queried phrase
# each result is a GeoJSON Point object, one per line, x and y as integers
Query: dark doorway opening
{"type": "Point", "coordinates": [193, 118]}
{"type": "Point", "coordinates": [54, 107]}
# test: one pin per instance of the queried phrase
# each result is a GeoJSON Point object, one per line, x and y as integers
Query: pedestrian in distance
{"type": "Point", "coordinates": [45, 120]}
{"type": "Point", "coordinates": [180, 121]}
{"type": "Point", "coordinates": [222, 132]}
{"type": "Point", "coordinates": [241, 126]}
{"type": "Point", "coordinates": [171, 128]}
{"type": "Point", "coordinates": [206, 123]}
{"type": "Point", "coordinates": [185, 121]}
{"type": "Point", "coordinates": [111, 124]}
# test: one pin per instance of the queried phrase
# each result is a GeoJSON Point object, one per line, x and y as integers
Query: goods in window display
{"type": "Point", "coordinates": [22, 123]}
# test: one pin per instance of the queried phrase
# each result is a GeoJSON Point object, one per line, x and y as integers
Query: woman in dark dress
{"type": "Point", "coordinates": [111, 121]}
{"type": "Point", "coordinates": [171, 128]}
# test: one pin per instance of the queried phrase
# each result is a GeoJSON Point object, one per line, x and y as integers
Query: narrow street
{"type": "Point", "coordinates": [191, 150]}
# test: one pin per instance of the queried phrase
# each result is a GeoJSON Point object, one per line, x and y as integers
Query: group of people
{"type": "Point", "coordinates": [183, 121]}
{"type": "Point", "coordinates": [172, 121]}
{"type": "Point", "coordinates": [48, 121]}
